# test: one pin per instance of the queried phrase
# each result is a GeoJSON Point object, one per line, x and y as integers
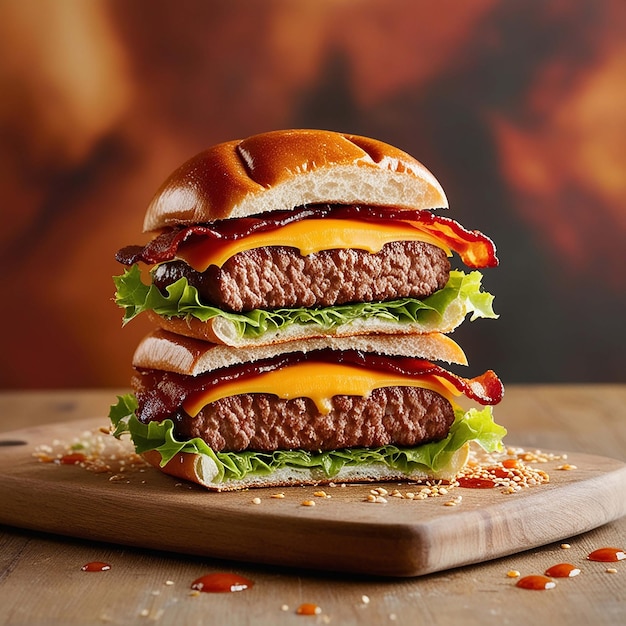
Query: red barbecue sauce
{"type": "Point", "coordinates": [221, 582]}
{"type": "Point", "coordinates": [537, 582]}
{"type": "Point", "coordinates": [510, 463]}
{"type": "Point", "coordinates": [474, 248]}
{"type": "Point", "coordinates": [607, 555]}
{"type": "Point", "coordinates": [96, 566]}
{"type": "Point", "coordinates": [308, 608]}
{"type": "Point", "coordinates": [160, 394]}
{"type": "Point", "coordinates": [72, 459]}
{"type": "Point", "coordinates": [476, 483]}
{"type": "Point", "coordinates": [562, 570]}
{"type": "Point", "coordinates": [470, 482]}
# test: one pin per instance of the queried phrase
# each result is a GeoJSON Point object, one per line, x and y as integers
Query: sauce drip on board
{"type": "Point", "coordinates": [607, 555]}
{"type": "Point", "coordinates": [562, 570]}
{"type": "Point", "coordinates": [308, 608]}
{"type": "Point", "coordinates": [535, 582]}
{"type": "Point", "coordinates": [73, 458]}
{"type": "Point", "coordinates": [96, 566]}
{"type": "Point", "coordinates": [221, 582]}
{"type": "Point", "coordinates": [475, 483]}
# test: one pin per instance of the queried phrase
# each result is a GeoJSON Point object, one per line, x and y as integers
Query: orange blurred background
{"type": "Point", "coordinates": [519, 109]}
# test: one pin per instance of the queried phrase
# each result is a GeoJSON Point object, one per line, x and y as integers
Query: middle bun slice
{"type": "Point", "coordinates": [300, 234]}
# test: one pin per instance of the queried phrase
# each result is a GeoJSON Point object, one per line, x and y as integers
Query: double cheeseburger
{"type": "Point", "coordinates": [300, 289]}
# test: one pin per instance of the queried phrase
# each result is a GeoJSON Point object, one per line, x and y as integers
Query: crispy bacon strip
{"type": "Point", "coordinates": [474, 248]}
{"type": "Point", "coordinates": [160, 394]}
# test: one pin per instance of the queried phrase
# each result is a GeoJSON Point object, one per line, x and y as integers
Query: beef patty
{"type": "Point", "coordinates": [278, 276]}
{"type": "Point", "coordinates": [405, 416]}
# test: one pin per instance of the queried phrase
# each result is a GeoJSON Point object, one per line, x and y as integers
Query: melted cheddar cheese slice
{"type": "Point", "coordinates": [319, 382]}
{"type": "Point", "coordinates": [309, 236]}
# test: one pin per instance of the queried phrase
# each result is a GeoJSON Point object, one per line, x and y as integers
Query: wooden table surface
{"type": "Point", "coordinates": [41, 581]}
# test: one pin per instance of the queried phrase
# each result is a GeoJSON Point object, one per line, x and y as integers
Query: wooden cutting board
{"type": "Point", "coordinates": [344, 532]}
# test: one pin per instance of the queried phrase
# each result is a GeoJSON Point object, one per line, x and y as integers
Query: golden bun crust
{"type": "Point", "coordinates": [175, 353]}
{"type": "Point", "coordinates": [201, 469]}
{"type": "Point", "coordinates": [283, 169]}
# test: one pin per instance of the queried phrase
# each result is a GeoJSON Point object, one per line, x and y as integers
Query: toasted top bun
{"type": "Point", "coordinates": [283, 169]}
{"type": "Point", "coordinates": [175, 353]}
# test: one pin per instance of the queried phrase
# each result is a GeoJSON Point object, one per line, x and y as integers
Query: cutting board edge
{"type": "Point", "coordinates": [408, 539]}
{"type": "Point", "coordinates": [414, 557]}
{"type": "Point", "coordinates": [530, 538]}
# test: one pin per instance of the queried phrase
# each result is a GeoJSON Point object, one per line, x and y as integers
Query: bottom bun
{"type": "Point", "coordinates": [201, 469]}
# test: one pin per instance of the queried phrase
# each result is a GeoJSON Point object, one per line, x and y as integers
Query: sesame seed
{"type": "Point", "coordinates": [365, 599]}
{"type": "Point", "coordinates": [256, 500]}
{"type": "Point", "coordinates": [308, 503]}
{"type": "Point", "coordinates": [611, 570]}
{"type": "Point", "coordinates": [278, 496]}
{"type": "Point", "coordinates": [513, 573]}
{"type": "Point", "coordinates": [565, 546]}
{"type": "Point", "coordinates": [511, 475]}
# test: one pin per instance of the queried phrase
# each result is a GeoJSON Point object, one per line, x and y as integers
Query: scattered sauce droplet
{"type": "Point", "coordinates": [501, 472]}
{"type": "Point", "coordinates": [221, 583]}
{"type": "Point", "coordinates": [536, 582]}
{"type": "Point", "coordinates": [73, 459]}
{"type": "Point", "coordinates": [607, 555]}
{"type": "Point", "coordinates": [562, 570]}
{"type": "Point", "coordinates": [510, 463]}
{"type": "Point", "coordinates": [308, 609]}
{"type": "Point", "coordinates": [476, 483]}
{"type": "Point", "coordinates": [96, 566]}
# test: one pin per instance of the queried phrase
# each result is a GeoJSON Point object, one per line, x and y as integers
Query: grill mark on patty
{"type": "Point", "coordinates": [279, 276]}
{"type": "Point", "coordinates": [404, 416]}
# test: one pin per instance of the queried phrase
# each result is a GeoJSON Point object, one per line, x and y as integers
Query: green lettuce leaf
{"type": "Point", "coordinates": [473, 425]}
{"type": "Point", "coordinates": [182, 300]}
